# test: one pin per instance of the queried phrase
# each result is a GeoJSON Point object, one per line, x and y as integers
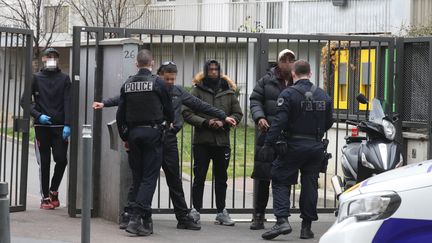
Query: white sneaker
{"type": "Point", "coordinates": [195, 215]}
{"type": "Point", "coordinates": [224, 219]}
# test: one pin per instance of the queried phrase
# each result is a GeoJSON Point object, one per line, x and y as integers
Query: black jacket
{"type": "Point", "coordinates": [263, 105]}
{"type": "Point", "coordinates": [179, 97]}
{"type": "Point", "coordinates": [51, 96]}
{"type": "Point", "coordinates": [111, 102]}
{"type": "Point", "coordinates": [161, 91]}
{"type": "Point", "coordinates": [264, 96]}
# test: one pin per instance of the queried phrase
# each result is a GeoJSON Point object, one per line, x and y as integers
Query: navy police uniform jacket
{"type": "Point", "coordinates": [144, 100]}
{"type": "Point", "coordinates": [298, 116]}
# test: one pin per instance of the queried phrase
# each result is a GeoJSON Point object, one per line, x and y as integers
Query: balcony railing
{"type": "Point", "coordinates": [271, 16]}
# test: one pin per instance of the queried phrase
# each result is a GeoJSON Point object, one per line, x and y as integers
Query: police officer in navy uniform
{"type": "Point", "coordinates": [304, 114]}
{"type": "Point", "coordinates": [143, 106]}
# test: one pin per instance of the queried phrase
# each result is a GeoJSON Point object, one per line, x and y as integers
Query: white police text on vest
{"type": "Point", "coordinates": [143, 86]}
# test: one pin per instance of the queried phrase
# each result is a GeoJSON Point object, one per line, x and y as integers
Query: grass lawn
{"type": "Point", "coordinates": [242, 160]}
{"type": "Point", "coordinates": [241, 153]}
{"type": "Point", "coordinates": [31, 135]}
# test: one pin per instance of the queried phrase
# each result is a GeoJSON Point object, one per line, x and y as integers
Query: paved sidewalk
{"type": "Point", "coordinates": [55, 226]}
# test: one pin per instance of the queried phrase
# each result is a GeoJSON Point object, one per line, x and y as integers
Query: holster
{"type": "Point", "coordinates": [326, 157]}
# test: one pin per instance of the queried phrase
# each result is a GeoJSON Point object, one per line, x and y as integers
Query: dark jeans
{"type": "Point", "coordinates": [262, 188]}
{"type": "Point", "coordinates": [47, 139]}
{"type": "Point", "coordinates": [146, 159]}
{"type": "Point", "coordinates": [171, 168]}
{"type": "Point", "coordinates": [220, 157]}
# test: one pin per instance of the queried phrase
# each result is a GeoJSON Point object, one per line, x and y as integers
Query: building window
{"type": "Point", "coordinates": [61, 16]}
{"type": "Point", "coordinates": [274, 15]}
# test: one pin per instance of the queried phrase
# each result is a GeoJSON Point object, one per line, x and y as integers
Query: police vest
{"type": "Point", "coordinates": [143, 105]}
{"type": "Point", "coordinates": [311, 113]}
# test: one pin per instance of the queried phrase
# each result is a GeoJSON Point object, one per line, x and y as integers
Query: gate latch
{"type": "Point", "coordinates": [21, 125]}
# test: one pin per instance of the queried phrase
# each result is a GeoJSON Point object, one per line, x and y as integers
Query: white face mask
{"type": "Point", "coordinates": [51, 64]}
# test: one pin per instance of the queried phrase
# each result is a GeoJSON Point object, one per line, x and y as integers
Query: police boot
{"type": "Point", "coordinates": [257, 221]}
{"type": "Point", "coordinates": [282, 227]}
{"type": "Point", "coordinates": [306, 232]}
{"type": "Point", "coordinates": [187, 222]}
{"type": "Point", "coordinates": [147, 225]}
{"type": "Point", "coordinates": [135, 224]}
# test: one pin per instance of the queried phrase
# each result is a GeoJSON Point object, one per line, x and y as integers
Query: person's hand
{"type": "Point", "coordinates": [44, 119]}
{"type": "Point", "coordinates": [66, 132]}
{"type": "Point", "coordinates": [98, 105]}
{"type": "Point", "coordinates": [267, 154]}
{"type": "Point", "coordinates": [231, 121]}
{"type": "Point", "coordinates": [218, 124]}
{"type": "Point", "coordinates": [211, 123]}
{"type": "Point", "coordinates": [126, 146]}
{"type": "Point", "coordinates": [263, 124]}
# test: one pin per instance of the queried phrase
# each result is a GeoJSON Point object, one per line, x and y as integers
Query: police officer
{"type": "Point", "coordinates": [143, 106]}
{"type": "Point", "coordinates": [304, 114]}
{"type": "Point", "coordinates": [51, 109]}
{"type": "Point", "coordinates": [263, 109]}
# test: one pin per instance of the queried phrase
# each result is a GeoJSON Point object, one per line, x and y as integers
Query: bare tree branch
{"type": "Point", "coordinates": [110, 13]}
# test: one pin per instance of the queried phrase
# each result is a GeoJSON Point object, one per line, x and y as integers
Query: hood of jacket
{"type": "Point", "coordinates": [199, 77]}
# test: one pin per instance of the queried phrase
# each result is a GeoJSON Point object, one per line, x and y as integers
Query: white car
{"type": "Point", "coordinates": [395, 206]}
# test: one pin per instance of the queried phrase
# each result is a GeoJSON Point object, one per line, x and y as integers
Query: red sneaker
{"type": "Point", "coordinates": [46, 204]}
{"type": "Point", "coordinates": [54, 199]}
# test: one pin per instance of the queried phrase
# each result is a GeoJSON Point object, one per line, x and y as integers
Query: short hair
{"type": "Point", "coordinates": [170, 68]}
{"type": "Point", "coordinates": [301, 67]}
{"type": "Point", "coordinates": [144, 58]}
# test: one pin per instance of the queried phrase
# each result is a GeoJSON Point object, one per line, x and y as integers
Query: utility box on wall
{"type": "Point", "coordinates": [416, 147]}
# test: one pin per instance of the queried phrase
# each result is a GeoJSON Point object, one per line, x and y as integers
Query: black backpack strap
{"type": "Point", "coordinates": [308, 94]}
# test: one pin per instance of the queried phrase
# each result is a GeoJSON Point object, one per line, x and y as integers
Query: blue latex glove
{"type": "Point", "coordinates": [44, 119]}
{"type": "Point", "coordinates": [66, 132]}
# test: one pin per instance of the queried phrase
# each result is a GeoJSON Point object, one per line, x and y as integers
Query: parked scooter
{"type": "Point", "coordinates": [366, 156]}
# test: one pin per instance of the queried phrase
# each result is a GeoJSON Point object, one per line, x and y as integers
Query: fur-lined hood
{"type": "Point", "coordinates": [199, 77]}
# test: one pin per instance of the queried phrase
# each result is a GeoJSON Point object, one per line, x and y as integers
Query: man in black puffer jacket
{"type": "Point", "coordinates": [263, 108]}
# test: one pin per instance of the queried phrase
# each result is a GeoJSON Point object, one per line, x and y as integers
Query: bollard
{"type": "Point", "coordinates": [4, 213]}
{"type": "Point", "coordinates": [87, 183]}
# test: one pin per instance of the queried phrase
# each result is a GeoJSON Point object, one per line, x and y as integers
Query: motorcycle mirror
{"type": "Point", "coordinates": [362, 99]}
{"type": "Point", "coordinates": [337, 184]}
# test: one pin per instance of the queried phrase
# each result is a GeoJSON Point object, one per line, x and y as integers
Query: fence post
{"type": "Point", "coordinates": [87, 183]}
{"type": "Point", "coordinates": [4, 213]}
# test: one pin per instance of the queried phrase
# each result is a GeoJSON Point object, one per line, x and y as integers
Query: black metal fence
{"type": "Point", "coordinates": [15, 78]}
{"type": "Point", "coordinates": [343, 65]}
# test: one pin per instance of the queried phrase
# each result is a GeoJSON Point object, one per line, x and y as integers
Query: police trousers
{"type": "Point", "coordinates": [303, 155]}
{"type": "Point", "coordinates": [47, 139]}
{"type": "Point", "coordinates": [145, 150]}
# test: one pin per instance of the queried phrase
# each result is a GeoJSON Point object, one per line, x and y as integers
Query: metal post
{"type": "Point", "coordinates": [87, 183]}
{"type": "Point", "coordinates": [4, 213]}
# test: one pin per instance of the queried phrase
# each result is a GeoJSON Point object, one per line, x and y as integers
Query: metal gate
{"type": "Point", "coordinates": [343, 65]}
{"type": "Point", "coordinates": [15, 80]}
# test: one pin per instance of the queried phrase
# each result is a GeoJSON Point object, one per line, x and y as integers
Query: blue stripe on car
{"type": "Point", "coordinates": [397, 230]}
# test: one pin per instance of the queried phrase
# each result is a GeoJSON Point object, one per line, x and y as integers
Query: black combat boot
{"type": "Point", "coordinates": [306, 232]}
{"type": "Point", "coordinates": [282, 227]}
{"type": "Point", "coordinates": [135, 224]}
{"type": "Point", "coordinates": [147, 225]}
{"type": "Point", "coordinates": [187, 222]}
{"type": "Point", "coordinates": [257, 221]}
